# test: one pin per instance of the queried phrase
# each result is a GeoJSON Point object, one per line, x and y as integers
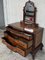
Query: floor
{"type": "Point", "coordinates": [7, 54]}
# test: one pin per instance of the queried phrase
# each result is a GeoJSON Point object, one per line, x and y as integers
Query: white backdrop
{"type": "Point", "coordinates": [13, 11]}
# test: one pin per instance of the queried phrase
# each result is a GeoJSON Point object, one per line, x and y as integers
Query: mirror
{"type": "Point", "coordinates": [29, 13]}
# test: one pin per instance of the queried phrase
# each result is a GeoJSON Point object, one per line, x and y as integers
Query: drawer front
{"type": "Point", "coordinates": [19, 42]}
{"type": "Point", "coordinates": [24, 45]}
{"type": "Point", "coordinates": [17, 49]}
{"type": "Point", "coordinates": [14, 41]}
{"type": "Point", "coordinates": [20, 34]}
{"type": "Point", "coordinates": [23, 53]}
{"type": "Point", "coordinates": [9, 45]}
{"type": "Point", "coordinates": [10, 39]}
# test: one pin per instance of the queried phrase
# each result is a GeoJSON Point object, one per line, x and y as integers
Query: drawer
{"type": "Point", "coordinates": [10, 39]}
{"type": "Point", "coordinates": [17, 49]}
{"type": "Point", "coordinates": [19, 41]}
{"type": "Point", "coordinates": [8, 44]}
{"type": "Point", "coordinates": [24, 44]}
{"type": "Point", "coordinates": [21, 34]}
{"type": "Point", "coordinates": [24, 52]}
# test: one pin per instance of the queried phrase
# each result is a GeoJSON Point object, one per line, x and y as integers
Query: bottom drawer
{"type": "Point", "coordinates": [8, 44]}
{"type": "Point", "coordinates": [17, 48]}
{"type": "Point", "coordinates": [24, 52]}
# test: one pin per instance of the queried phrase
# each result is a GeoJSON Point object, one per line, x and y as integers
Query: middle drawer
{"type": "Point", "coordinates": [18, 40]}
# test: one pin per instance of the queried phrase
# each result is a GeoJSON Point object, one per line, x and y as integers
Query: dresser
{"type": "Point", "coordinates": [23, 39]}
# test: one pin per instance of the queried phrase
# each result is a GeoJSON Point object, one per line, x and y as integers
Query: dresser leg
{"type": "Point", "coordinates": [33, 56]}
{"type": "Point", "coordinates": [41, 46]}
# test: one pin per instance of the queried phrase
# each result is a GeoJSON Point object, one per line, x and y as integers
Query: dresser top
{"type": "Point", "coordinates": [23, 27]}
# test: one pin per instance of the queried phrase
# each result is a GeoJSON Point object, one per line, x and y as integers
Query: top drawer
{"type": "Point", "coordinates": [19, 33]}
